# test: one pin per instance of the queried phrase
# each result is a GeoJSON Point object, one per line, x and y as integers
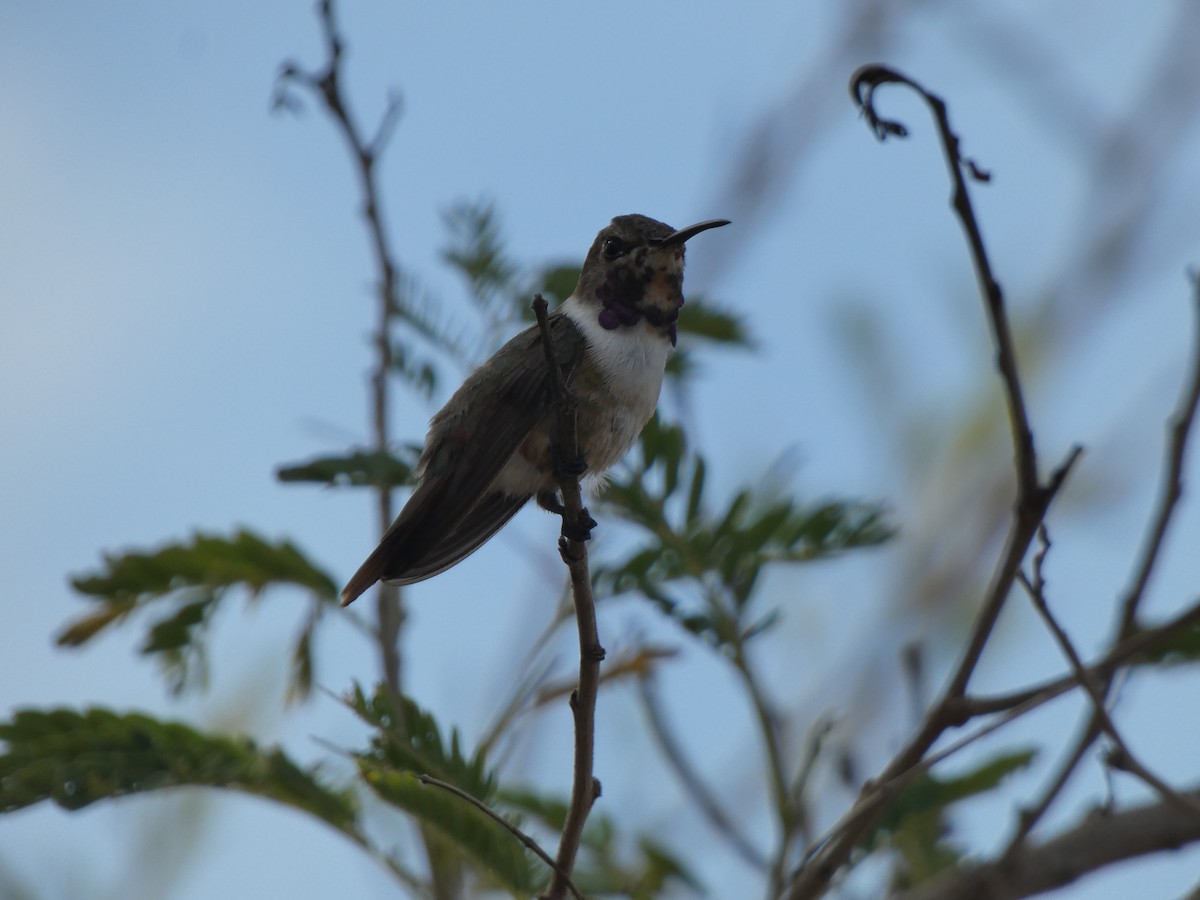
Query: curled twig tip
{"type": "Point", "coordinates": [863, 83]}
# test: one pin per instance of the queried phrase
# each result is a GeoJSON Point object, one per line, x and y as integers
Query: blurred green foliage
{"type": "Point", "coordinates": [916, 826]}
{"type": "Point", "coordinates": [78, 758]}
{"type": "Point", "coordinates": [180, 586]}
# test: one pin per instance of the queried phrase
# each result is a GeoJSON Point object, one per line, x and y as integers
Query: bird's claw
{"type": "Point", "coordinates": [569, 468]}
{"type": "Point", "coordinates": [576, 528]}
{"type": "Point", "coordinates": [581, 529]}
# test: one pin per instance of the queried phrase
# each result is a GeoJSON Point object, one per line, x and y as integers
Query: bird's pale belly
{"type": "Point", "coordinates": [606, 432]}
{"type": "Point", "coordinates": [617, 388]}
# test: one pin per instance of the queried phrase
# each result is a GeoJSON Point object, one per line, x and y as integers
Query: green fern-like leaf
{"type": "Point", "coordinates": [182, 584]}
{"type": "Point", "coordinates": [557, 282]}
{"type": "Point", "coordinates": [716, 554]}
{"type": "Point", "coordinates": [486, 843]}
{"type": "Point", "coordinates": [399, 754]}
{"type": "Point", "coordinates": [476, 250]}
{"type": "Point", "coordinates": [701, 318]}
{"type": "Point", "coordinates": [361, 468]}
{"type": "Point", "coordinates": [76, 758]}
{"type": "Point", "coordinates": [915, 824]}
{"type": "Point", "coordinates": [1180, 648]}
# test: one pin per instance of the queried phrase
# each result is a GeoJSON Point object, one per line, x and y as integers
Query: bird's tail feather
{"type": "Point", "coordinates": [405, 557]}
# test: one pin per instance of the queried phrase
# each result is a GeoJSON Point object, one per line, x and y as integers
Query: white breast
{"type": "Point", "coordinates": [632, 358]}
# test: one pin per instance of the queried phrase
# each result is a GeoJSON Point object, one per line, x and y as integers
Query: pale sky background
{"type": "Point", "coordinates": [185, 297]}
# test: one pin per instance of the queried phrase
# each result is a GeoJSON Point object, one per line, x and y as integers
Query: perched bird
{"type": "Point", "coordinates": [489, 450]}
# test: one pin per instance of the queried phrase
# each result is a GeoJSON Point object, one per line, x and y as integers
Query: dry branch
{"type": "Point", "coordinates": [1179, 430]}
{"type": "Point", "coordinates": [1032, 501]}
{"type": "Point", "coordinates": [1097, 841]}
{"type": "Point", "coordinates": [326, 85]}
{"type": "Point", "coordinates": [584, 786]}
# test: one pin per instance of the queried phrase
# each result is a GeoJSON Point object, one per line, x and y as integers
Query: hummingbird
{"type": "Point", "coordinates": [491, 447]}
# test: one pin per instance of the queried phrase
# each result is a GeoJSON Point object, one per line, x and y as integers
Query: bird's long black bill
{"type": "Point", "coordinates": [686, 234]}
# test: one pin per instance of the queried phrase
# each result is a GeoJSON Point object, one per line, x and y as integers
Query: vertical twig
{"type": "Point", "coordinates": [1179, 430]}
{"type": "Point", "coordinates": [1033, 498]}
{"type": "Point", "coordinates": [768, 727]}
{"type": "Point", "coordinates": [700, 793]}
{"type": "Point", "coordinates": [365, 153]}
{"type": "Point", "coordinates": [585, 788]}
{"type": "Point", "coordinates": [1032, 501]}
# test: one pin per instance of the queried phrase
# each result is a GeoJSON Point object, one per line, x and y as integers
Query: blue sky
{"type": "Point", "coordinates": [185, 301]}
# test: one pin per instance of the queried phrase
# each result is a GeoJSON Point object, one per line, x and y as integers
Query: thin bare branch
{"type": "Point", "coordinates": [1032, 502]}
{"type": "Point", "coordinates": [325, 84]}
{"type": "Point", "coordinates": [387, 124]}
{"type": "Point", "coordinates": [585, 788]}
{"type": "Point", "coordinates": [1179, 429]}
{"type": "Point", "coordinates": [876, 794]}
{"type": "Point", "coordinates": [708, 804]}
{"type": "Point", "coordinates": [1099, 840]}
{"type": "Point", "coordinates": [814, 743]}
{"type": "Point", "coordinates": [768, 729]}
{"type": "Point", "coordinates": [1123, 758]}
{"type": "Point", "coordinates": [509, 826]}
{"type": "Point", "coordinates": [862, 87]}
{"type": "Point", "coordinates": [1120, 655]}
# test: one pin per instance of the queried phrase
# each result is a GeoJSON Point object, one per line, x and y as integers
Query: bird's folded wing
{"type": "Point", "coordinates": [431, 533]}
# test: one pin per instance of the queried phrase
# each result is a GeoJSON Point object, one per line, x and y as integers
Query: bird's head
{"type": "Point", "coordinates": [634, 271]}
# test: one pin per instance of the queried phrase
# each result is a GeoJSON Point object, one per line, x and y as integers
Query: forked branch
{"type": "Point", "coordinates": [1033, 498]}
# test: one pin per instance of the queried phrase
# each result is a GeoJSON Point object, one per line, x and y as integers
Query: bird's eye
{"type": "Point", "coordinates": [614, 247]}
